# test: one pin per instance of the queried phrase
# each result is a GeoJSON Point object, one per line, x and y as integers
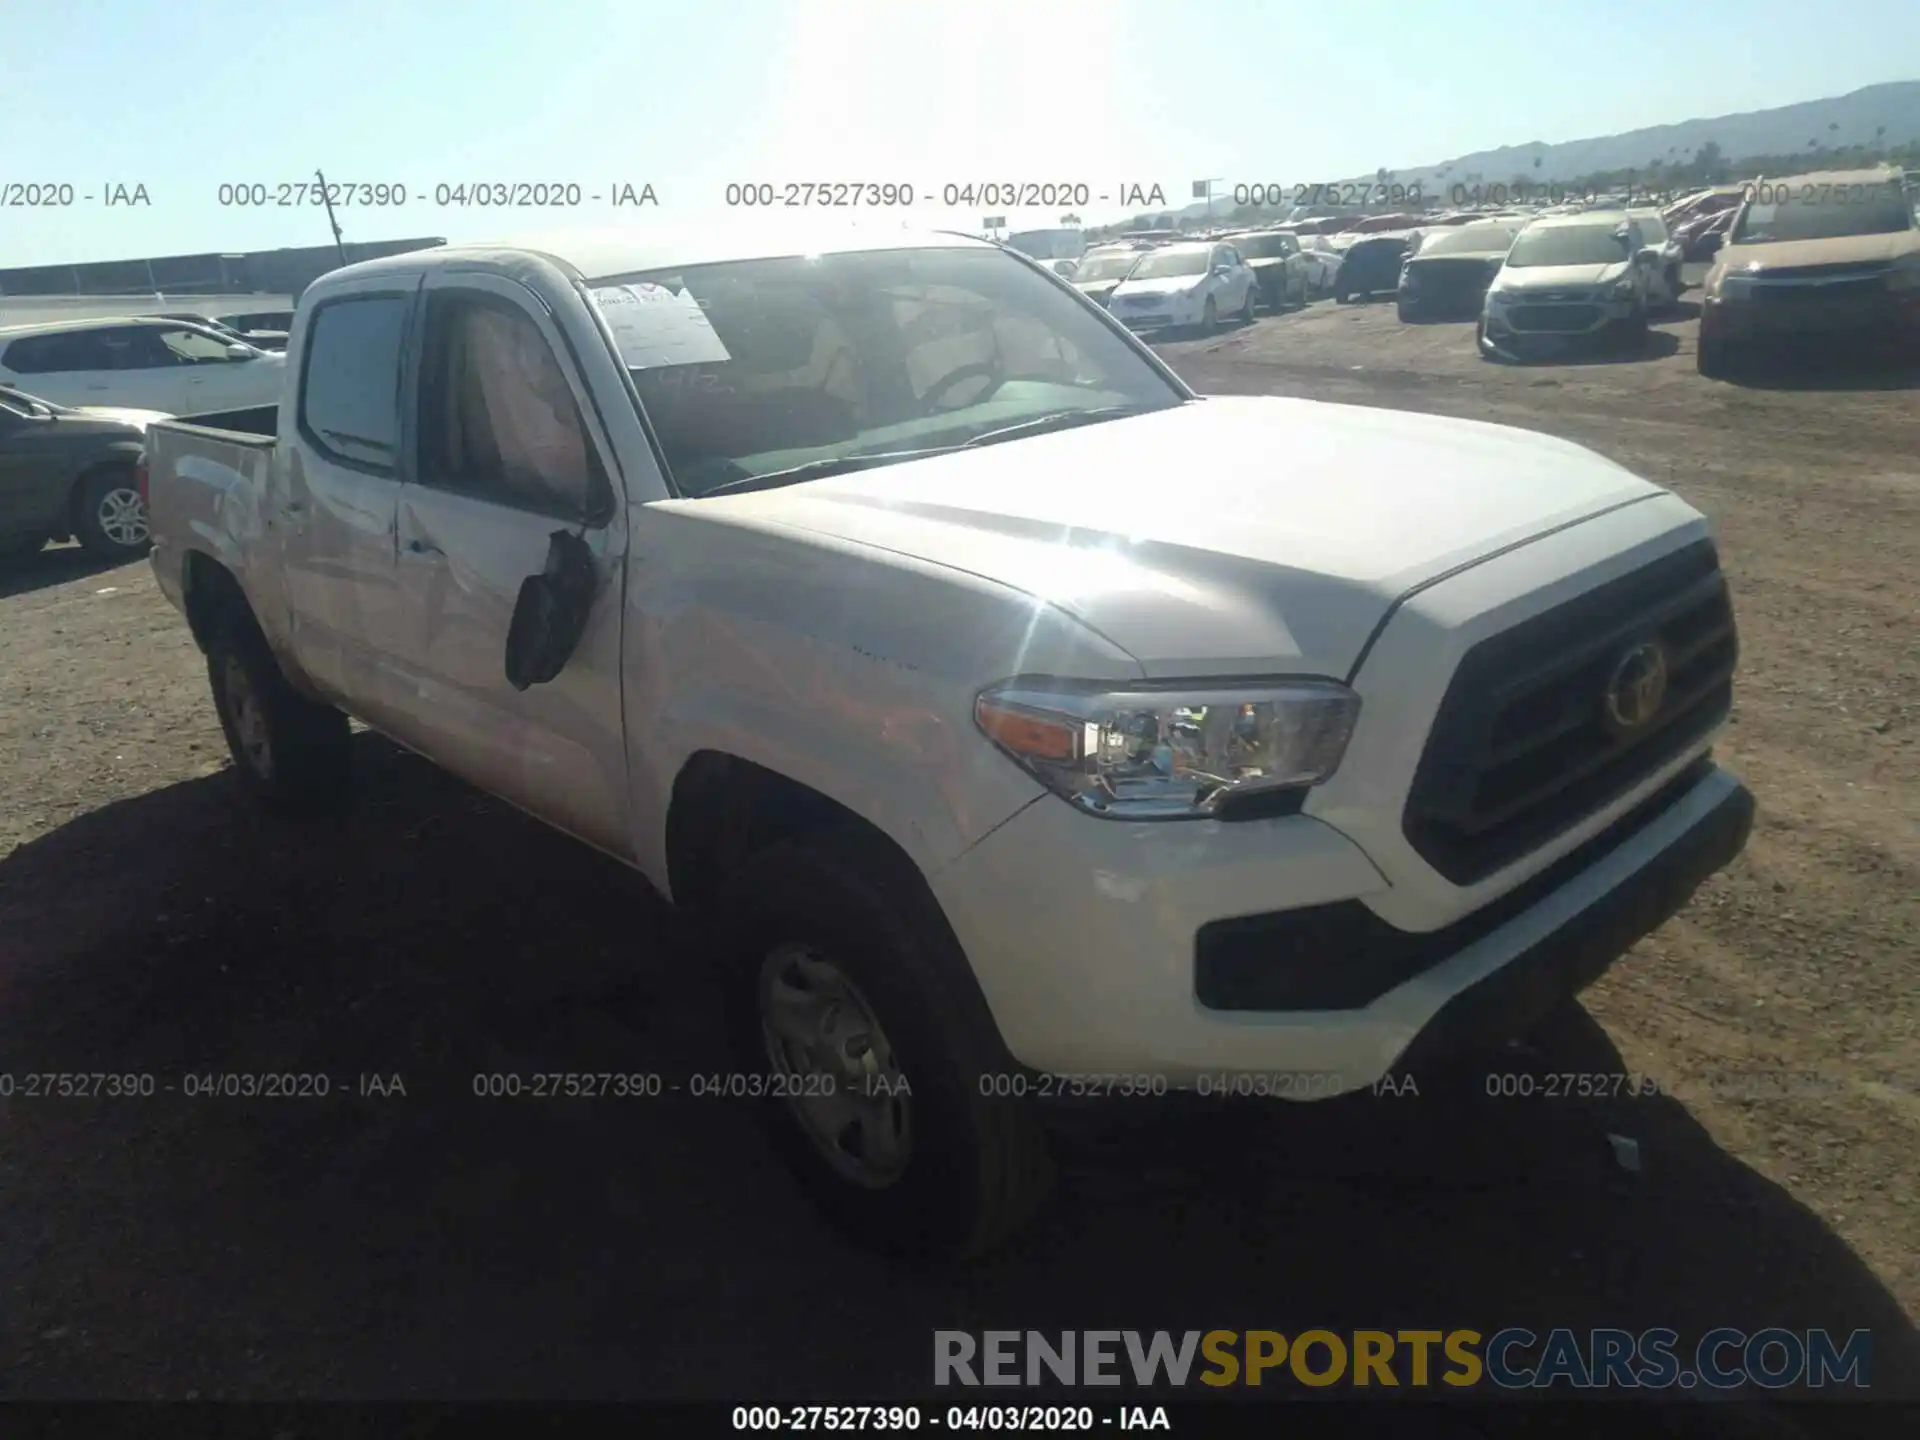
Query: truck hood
{"type": "Point", "coordinates": [1232, 535]}
{"type": "Point", "coordinates": [1841, 250]}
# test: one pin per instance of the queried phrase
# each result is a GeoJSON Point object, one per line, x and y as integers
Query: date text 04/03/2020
{"type": "Point", "coordinates": [462, 194]}
{"type": "Point", "coordinates": [889, 1418]}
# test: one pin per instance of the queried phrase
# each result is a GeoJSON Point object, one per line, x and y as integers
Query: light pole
{"type": "Point", "coordinates": [1203, 190]}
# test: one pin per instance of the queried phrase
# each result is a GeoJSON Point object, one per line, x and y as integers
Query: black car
{"type": "Point", "coordinates": [1371, 265]}
{"type": "Point", "coordinates": [66, 472]}
{"type": "Point", "coordinates": [1448, 273]}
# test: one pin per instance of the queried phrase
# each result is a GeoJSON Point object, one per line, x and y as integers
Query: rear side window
{"type": "Point", "coordinates": [59, 353]}
{"type": "Point", "coordinates": [350, 384]}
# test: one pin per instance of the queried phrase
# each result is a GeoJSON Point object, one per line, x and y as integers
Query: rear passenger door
{"type": "Point", "coordinates": [507, 450]}
{"type": "Point", "coordinates": [210, 378]}
{"type": "Point", "coordinates": [331, 508]}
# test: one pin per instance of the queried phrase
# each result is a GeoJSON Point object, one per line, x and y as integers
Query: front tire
{"type": "Point", "coordinates": [1710, 359]}
{"type": "Point", "coordinates": [1246, 311]}
{"type": "Point", "coordinates": [289, 752]}
{"type": "Point", "coordinates": [845, 988]}
{"type": "Point", "coordinates": [1209, 317]}
{"type": "Point", "coordinates": [110, 518]}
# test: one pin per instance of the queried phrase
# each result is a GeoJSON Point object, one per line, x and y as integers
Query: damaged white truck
{"type": "Point", "coordinates": [1013, 711]}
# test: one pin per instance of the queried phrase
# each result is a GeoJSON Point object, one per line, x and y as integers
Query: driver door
{"type": "Point", "coordinates": [507, 450]}
{"type": "Point", "coordinates": [209, 378]}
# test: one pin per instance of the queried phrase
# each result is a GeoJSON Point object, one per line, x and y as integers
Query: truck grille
{"type": "Point", "coordinates": [1548, 318]}
{"type": "Point", "coordinates": [1523, 747]}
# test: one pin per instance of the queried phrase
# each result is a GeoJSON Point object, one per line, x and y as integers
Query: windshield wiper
{"type": "Point", "coordinates": [846, 464]}
{"type": "Point", "coordinates": [820, 470]}
{"type": "Point", "coordinates": [1060, 420]}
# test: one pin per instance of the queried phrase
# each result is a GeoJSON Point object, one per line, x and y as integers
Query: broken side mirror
{"type": "Point", "coordinates": [551, 613]}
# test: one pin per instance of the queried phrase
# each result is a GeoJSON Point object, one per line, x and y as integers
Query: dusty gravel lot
{"type": "Point", "coordinates": [433, 1244]}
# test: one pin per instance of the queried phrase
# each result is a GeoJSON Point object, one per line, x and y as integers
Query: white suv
{"type": "Point", "coordinates": [139, 363]}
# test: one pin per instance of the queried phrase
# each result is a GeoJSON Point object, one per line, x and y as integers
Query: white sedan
{"type": "Point", "coordinates": [1182, 286]}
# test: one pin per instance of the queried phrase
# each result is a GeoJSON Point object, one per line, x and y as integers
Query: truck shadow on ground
{"type": "Point", "coordinates": [21, 574]}
{"type": "Point", "coordinates": [1828, 368]}
{"type": "Point", "coordinates": [437, 1243]}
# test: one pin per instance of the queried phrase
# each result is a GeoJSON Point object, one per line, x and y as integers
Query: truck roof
{"type": "Point", "coordinates": [598, 253]}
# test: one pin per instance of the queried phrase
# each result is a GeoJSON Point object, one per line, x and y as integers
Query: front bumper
{"type": "Point", "coordinates": [1887, 318]}
{"type": "Point", "coordinates": [1170, 317]}
{"type": "Point", "coordinates": [1083, 934]}
{"type": "Point", "coordinates": [1529, 329]}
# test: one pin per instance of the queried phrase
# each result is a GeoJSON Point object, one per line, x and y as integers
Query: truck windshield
{"type": "Point", "coordinates": [793, 365]}
{"type": "Point", "coordinates": [1824, 212]}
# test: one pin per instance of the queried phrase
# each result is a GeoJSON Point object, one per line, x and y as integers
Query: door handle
{"type": "Point", "coordinates": [421, 549]}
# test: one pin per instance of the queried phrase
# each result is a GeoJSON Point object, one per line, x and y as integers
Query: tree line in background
{"type": "Point", "coordinates": [1672, 172]}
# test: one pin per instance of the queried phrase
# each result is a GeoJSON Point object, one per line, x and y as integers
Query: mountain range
{"type": "Point", "coordinates": [1880, 117]}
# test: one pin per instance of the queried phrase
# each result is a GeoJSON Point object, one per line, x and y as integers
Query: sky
{"type": "Point", "coordinates": [181, 96]}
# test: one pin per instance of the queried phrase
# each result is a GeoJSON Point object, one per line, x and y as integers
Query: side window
{"type": "Point", "coordinates": [497, 419]}
{"type": "Point", "coordinates": [132, 347]}
{"type": "Point", "coordinates": [350, 382]}
{"type": "Point", "coordinates": [61, 353]}
{"type": "Point", "coordinates": [30, 356]}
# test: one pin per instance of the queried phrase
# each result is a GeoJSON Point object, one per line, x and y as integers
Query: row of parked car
{"type": "Point", "coordinates": [77, 396]}
{"type": "Point", "coordinates": [1836, 253]}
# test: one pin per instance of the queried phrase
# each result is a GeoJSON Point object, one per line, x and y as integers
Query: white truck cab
{"type": "Point", "coordinates": [1011, 710]}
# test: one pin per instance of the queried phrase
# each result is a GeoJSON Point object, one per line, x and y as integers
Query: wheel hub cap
{"type": "Point", "coordinates": [834, 1066]}
{"type": "Point", "coordinates": [249, 720]}
{"type": "Point", "coordinates": [123, 516]}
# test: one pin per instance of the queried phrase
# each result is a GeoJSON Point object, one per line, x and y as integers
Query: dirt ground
{"type": "Point", "coordinates": [433, 1244]}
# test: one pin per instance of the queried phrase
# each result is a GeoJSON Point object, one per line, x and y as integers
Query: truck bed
{"type": "Point", "coordinates": [256, 425]}
{"type": "Point", "coordinates": [207, 478]}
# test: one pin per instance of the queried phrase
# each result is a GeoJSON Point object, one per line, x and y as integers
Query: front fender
{"type": "Point", "coordinates": [932, 787]}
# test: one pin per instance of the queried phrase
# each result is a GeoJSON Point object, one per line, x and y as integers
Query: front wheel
{"type": "Point", "coordinates": [1710, 359]}
{"type": "Point", "coordinates": [289, 751]}
{"type": "Point", "coordinates": [1209, 317]}
{"type": "Point", "coordinates": [846, 991]}
{"type": "Point", "coordinates": [110, 518]}
{"type": "Point", "coordinates": [1246, 311]}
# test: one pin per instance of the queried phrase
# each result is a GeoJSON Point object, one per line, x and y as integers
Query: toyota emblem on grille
{"type": "Point", "coordinates": [1637, 686]}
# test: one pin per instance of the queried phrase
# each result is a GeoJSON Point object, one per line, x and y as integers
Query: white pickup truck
{"type": "Point", "coordinates": [1027, 724]}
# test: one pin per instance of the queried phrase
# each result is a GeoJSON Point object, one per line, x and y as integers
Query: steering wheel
{"type": "Point", "coordinates": [978, 370]}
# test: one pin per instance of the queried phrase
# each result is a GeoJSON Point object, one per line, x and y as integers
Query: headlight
{"type": "Point", "coordinates": [1499, 297]}
{"type": "Point", "coordinates": [1153, 754]}
{"type": "Point", "coordinates": [1622, 289]}
{"type": "Point", "coordinates": [1734, 287]}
